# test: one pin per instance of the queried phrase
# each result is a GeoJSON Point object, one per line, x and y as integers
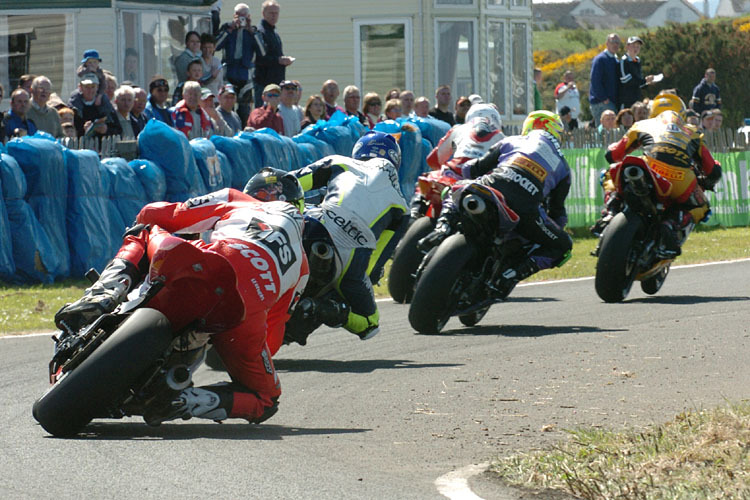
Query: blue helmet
{"type": "Point", "coordinates": [377, 145]}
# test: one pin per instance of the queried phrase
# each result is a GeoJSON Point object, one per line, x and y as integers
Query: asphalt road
{"type": "Point", "coordinates": [385, 418]}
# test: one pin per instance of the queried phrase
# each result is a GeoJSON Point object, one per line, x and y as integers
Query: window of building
{"type": "Point", "coordinates": [496, 64]}
{"type": "Point", "coordinates": [495, 3]}
{"type": "Point", "coordinates": [151, 40]}
{"type": "Point", "coordinates": [520, 80]}
{"type": "Point", "coordinates": [38, 45]}
{"type": "Point", "coordinates": [439, 3]}
{"type": "Point", "coordinates": [519, 3]}
{"type": "Point", "coordinates": [382, 54]}
{"type": "Point", "coordinates": [455, 55]}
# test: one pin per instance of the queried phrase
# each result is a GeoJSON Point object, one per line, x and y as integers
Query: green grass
{"type": "Point", "coordinates": [698, 455]}
{"type": "Point", "coordinates": [32, 307]}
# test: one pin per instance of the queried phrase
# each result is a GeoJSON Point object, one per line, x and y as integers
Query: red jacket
{"type": "Point", "coordinates": [265, 117]}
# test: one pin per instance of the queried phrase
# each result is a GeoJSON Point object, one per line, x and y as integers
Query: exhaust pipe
{"type": "Point", "coordinates": [637, 180]}
{"type": "Point", "coordinates": [178, 378]}
{"type": "Point", "coordinates": [474, 204]}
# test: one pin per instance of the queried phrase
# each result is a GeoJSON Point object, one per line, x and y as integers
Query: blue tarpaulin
{"type": "Point", "coordinates": [7, 266]}
{"type": "Point", "coordinates": [243, 157]}
{"type": "Point", "coordinates": [43, 164]}
{"type": "Point", "coordinates": [35, 258]}
{"type": "Point", "coordinates": [270, 147]}
{"type": "Point", "coordinates": [207, 161]}
{"type": "Point", "coordinates": [152, 179]}
{"type": "Point", "coordinates": [89, 217]}
{"type": "Point", "coordinates": [125, 190]}
{"type": "Point", "coordinates": [170, 149]}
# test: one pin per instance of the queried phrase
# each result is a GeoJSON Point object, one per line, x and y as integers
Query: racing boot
{"type": "Point", "coordinates": [612, 206]}
{"type": "Point", "coordinates": [214, 402]}
{"type": "Point", "coordinates": [513, 275]}
{"type": "Point", "coordinates": [112, 287]}
{"type": "Point", "coordinates": [443, 229]}
{"type": "Point", "coordinates": [670, 236]}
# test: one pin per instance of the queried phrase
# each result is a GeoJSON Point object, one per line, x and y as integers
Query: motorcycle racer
{"type": "Point", "coordinates": [362, 215]}
{"type": "Point", "coordinates": [671, 148]}
{"type": "Point", "coordinates": [263, 244]}
{"type": "Point", "coordinates": [533, 176]}
{"type": "Point", "coordinates": [480, 131]}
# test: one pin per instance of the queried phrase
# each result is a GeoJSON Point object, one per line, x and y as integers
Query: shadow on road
{"type": "Point", "coordinates": [196, 429]}
{"type": "Point", "coordinates": [527, 330]}
{"type": "Point", "coordinates": [686, 299]}
{"type": "Point", "coordinates": [353, 366]}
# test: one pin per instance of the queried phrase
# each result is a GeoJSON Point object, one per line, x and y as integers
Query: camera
{"type": "Point", "coordinates": [243, 21]}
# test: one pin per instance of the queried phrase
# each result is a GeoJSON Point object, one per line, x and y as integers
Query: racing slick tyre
{"type": "Point", "coordinates": [99, 382]}
{"type": "Point", "coordinates": [406, 260]}
{"type": "Point", "coordinates": [654, 283]}
{"type": "Point", "coordinates": [440, 285]}
{"type": "Point", "coordinates": [616, 266]}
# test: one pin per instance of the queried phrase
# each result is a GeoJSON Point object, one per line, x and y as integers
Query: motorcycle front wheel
{"type": "Point", "coordinates": [616, 266]}
{"type": "Point", "coordinates": [406, 260]}
{"type": "Point", "coordinates": [439, 286]}
{"type": "Point", "coordinates": [654, 283]}
{"type": "Point", "coordinates": [106, 375]}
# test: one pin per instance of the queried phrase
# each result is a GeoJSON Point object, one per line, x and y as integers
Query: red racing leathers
{"type": "Point", "coordinates": [263, 244]}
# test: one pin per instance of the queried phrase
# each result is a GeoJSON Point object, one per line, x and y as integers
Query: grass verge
{"type": "Point", "coordinates": [31, 307]}
{"type": "Point", "coordinates": [698, 455]}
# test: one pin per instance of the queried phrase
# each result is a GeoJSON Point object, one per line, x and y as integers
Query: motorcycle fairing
{"type": "Point", "coordinates": [431, 186]}
{"type": "Point", "coordinates": [508, 219]}
{"type": "Point", "coordinates": [661, 184]}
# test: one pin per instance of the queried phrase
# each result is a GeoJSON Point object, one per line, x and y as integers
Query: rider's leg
{"type": "Point", "coordinates": [116, 280]}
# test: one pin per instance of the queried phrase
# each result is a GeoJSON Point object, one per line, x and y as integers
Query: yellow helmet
{"type": "Point", "coordinates": [543, 120]}
{"type": "Point", "coordinates": [666, 102]}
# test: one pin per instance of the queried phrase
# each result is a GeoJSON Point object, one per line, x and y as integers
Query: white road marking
{"type": "Point", "coordinates": [455, 485]}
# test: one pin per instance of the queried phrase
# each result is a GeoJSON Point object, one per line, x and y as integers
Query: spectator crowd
{"type": "Point", "coordinates": [246, 89]}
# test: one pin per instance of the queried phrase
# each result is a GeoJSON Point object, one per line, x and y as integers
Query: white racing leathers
{"type": "Point", "coordinates": [364, 215]}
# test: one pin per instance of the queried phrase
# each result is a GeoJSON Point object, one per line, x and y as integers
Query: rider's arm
{"type": "Point", "coordinates": [442, 152]}
{"type": "Point", "coordinates": [618, 150]}
{"type": "Point", "coordinates": [556, 202]}
{"type": "Point", "coordinates": [316, 175]}
{"type": "Point", "coordinates": [709, 166]}
{"type": "Point", "coordinates": [487, 163]}
{"type": "Point", "coordinates": [194, 215]}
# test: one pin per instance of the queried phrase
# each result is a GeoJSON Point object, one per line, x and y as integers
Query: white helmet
{"type": "Point", "coordinates": [488, 111]}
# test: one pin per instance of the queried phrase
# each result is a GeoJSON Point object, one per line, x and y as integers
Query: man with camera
{"type": "Point", "coordinates": [237, 39]}
{"type": "Point", "coordinates": [567, 95]}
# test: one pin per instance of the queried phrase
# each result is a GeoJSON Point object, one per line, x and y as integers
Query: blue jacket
{"type": "Point", "coordinates": [604, 78]}
{"type": "Point", "coordinates": [12, 121]}
{"type": "Point", "coordinates": [161, 114]}
{"type": "Point", "coordinates": [238, 66]}
{"type": "Point", "coordinates": [705, 96]}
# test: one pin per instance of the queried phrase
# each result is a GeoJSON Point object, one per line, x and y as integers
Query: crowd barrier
{"type": "Point", "coordinates": [65, 210]}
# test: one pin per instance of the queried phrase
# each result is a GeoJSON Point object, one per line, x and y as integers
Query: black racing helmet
{"type": "Point", "coordinates": [272, 184]}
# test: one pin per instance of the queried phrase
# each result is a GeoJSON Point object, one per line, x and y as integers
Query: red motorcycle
{"type": "Point", "coordinates": [145, 352]}
{"type": "Point", "coordinates": [426, 207]}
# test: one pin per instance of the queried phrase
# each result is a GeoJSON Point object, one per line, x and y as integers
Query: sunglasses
{"type": "Point", "coordinates": [272, 95]}
{"type": "Point", "coordinates": [289, 87]}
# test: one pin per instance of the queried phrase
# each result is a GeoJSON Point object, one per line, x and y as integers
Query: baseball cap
{"type": "Point", "coordinates": [90, 54]}
{"type": "Point", "coordinates": [206, 93]}
{"type": "Point", "coordinates": [157, 81]}
{"type": "Point", "coordinates": [271, 87]}
{"type": "Point", "coordinates": [287, 83]}
{"type": "Point", "coordinates": [227, 89]}
{"type": "Point", "coordinates": [634, 39]}
{"type": "Point", "coordinates": [89, 79]}
{"type": "Point", "coordinates": [475, 99]}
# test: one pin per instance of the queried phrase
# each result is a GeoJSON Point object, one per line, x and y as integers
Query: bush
{"type": "Point", "coordinates": [683, 52]}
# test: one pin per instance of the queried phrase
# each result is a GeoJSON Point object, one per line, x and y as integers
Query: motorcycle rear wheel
{"type": "Point", "coordinates": [436, 291]}
{"type": "Point", "coordinates": [406, 260]}
{"type": "Point", "coordinates": [616, 267]}
{"type": "Point", "coordinates": [106, 375]}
